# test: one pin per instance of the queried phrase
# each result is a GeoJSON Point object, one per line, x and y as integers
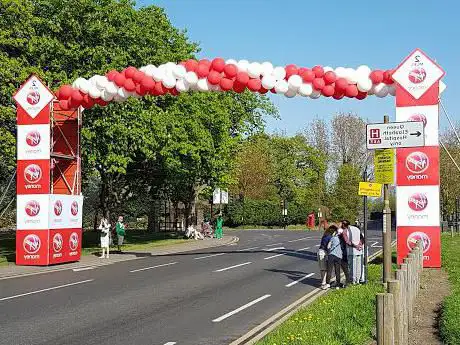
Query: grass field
{"type": "Point", "coordinates": [450, 316]}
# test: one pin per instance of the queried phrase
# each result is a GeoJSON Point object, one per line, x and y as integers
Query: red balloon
{"type": "Point", "coordinates": [119, 80]}
{"type": "Point", "coordinates": [308, 76]}
{"type": "Point", "coordinates": [254, 85]}
{"type": "Point", "coordinates": [138, 76]}
{"type": "Point", "coordinates": [263, 90]}
{"type": "Point", "coordinates": [328, 90]}
{"type": "Point", "coordinates": [301, 70]}
{"type": "Point", "coordinates": [205, 62]}
{"type": "Point", "coordinates": [214, 77]}
{"type": "Point", "coordinates": [338, 94]}
{"type": "Point", "coordinates": [361, 95]}
{"type": "Point", "coordinates": [100, 102]}
{"type": "Point", "coordinates": [238, 87]}
{"type": "Point", "coordinates": [376, 76]}
{"type": "Point", "coordinates": [64, 104]}
{"type": "Point", "coordinates": [387, 78]}
{"type": "Point", "coordinates": [202, 70]}
{"type": "Point", "coordinates": [191, 65]}
{"type": "Point", "coordinates": [159, 89]}
{"type": "Point", "coordinates": [351, 91]}
{"type": "Point", "coordinates": [218, 65]}
{"type": "Point", "coordinates": [290, 70]}
{"type": "Point", "coordinates": [242, 78]}
{"type": "Point", "coordinates": [273, 90]}
{"type": "Point", "coordinates": [130, 72]}
{"type": "Point", "coordinates": [173, 91]}
{"type": "Point", "coordinates": [329, 77]}
{"type": "Point", "coordinates": [65, 91]}
{"type": "Point", "coordinates": [57, 93]}
{"type": "Point", "coordinates": [148, 83]}
{"type": "Point", "coordinates": [77, 96]}
{"type": "Point", "coordinates": [231, 71]}
{"type": "Point", "coordinates": [111, 75]}
{"type": "Point", "coordinates": [129, 85]}
{"type": "Point", "coordinates": [140, 90]}
{"type": "Point", "coordinates": [319, 71]}
{"type": "Point", "coordinates": [88, 102]}
{"type": "Point", "coordinates": [182, 63]}
{"type": "Point", "coordinates": [341, 84]}
{"type": "Point", "coordinates": [318, 83]}
{"type": "Point", "coordinates": [226, 84]}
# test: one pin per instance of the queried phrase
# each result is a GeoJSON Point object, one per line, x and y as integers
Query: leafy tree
{"type": "Point", "coordinates": [344, 199]}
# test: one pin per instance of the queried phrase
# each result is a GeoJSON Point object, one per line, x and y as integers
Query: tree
{"type": "Point", "coordinates": [344, 199]}
{"type": "Point", "coordinates": [449, 173]}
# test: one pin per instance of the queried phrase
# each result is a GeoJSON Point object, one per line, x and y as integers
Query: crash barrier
{"type": "Point", "coordinates": [394, 309]}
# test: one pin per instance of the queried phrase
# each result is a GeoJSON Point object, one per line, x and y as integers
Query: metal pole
{"type": "Point", "coordinates": [386, 229]}
{"type": "Point", "coordinates": [365, 230]}
{"type": "Point", "coordinates": [457, 201]}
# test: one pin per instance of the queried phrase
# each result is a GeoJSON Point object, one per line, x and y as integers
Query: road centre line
{"type": "Point", "coordinates": [299, 280]}
{"type": "Point", "coordinates": [170, 343]}
{"type": "Point", "coordinates": [242, 250]}
{"type": "Point", "coordinates": [209, 256]}
{"type": "Point", "coordinates": [299, 239]}
{"type": "Point", "coordinates": [272, 249]}
{"type": "Point", "coordinates": [273, 244]}
{"type": "Point", "coordinates": [373, 245]}
{"type": "Point", "coordinates": [148, 268]}
{"type": "Point", "coordinates": [235, 266]}
{"type": "Point", "coordinates": [274, 256]}
{"type": "Point", "coordinates": [47, 289]}
{"type": "Point", "coordinates": [298, 250]}
{"type": "Point", "coordinates": [317, 245]}
{"type": "Point", "coordinates": [243, 307]}
{"type": "Point", "coordinates": [83, 268]}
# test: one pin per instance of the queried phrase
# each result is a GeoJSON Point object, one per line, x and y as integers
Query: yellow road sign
{"type": "Point", "coordinates": [370, 189]}
{"type": "Point", "coordinates": [384, 163]}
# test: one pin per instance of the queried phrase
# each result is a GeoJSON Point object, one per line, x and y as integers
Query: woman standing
{"type": "Point", "coordinates": [322, 254]}
{"type": "Point", "coordinates": [105, 234]}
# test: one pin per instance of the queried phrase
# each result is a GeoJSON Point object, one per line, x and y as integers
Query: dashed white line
{"type": "Point", "coordinates": [170, 343]}
{"type": "Point", "coordinates": [242, 250]}
{"type": "Point", "coordinates": [235, 266]}
{"type": "Point", "coordinates": [298, 250]}
{"type": "Point", "coordinates": [317, 245]}
{"type": "Point", "coordinates": [149, 268]}
{"type": "Point", "coordinates": [274, 256]}
{"type": "Point", "coordinates": [273, 244]}
{"type": "Point", "coordinates": [223, 317]}
{"type": "Point", "coordinates": [299, 239]}
{"type": "Point", "coordinates": [374, 245]}
{"type": "Point", "coordinates": [83, 268]}
{"type": "Point", "coordinates": [273, 249]}
{"type": "Point", "coordinates": [299, 280]}
{"type": "Point", "coordinates": [209, 256]}
{"type": "Point", "coordinates": [47, 289]}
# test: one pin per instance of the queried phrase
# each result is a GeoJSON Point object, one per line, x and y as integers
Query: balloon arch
{"type": "Point", "coordinates": [49, 199]}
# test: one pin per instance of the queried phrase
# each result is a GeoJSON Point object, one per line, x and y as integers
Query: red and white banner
{"type": "Point", "coordinates": [417, 206]}
{"type": "Point", "coordinates": [65, 245]}
{"type": "Point", "coordinates": [418, 166]}
{"type": "Point", "coordinates": [428, 114]}
{"type": "Point", "coordinates": [32, 247]}
{"type": "Point", "coordinates": [32, 211]}
{"type": "Point", "coordinates": [430, 237]}
{"type": "Point", "coordinates": [33, 142]}
{"type": "Point", "coordinates": [33, 177]}
{"type": "Point", "coordinates": [66, 212]}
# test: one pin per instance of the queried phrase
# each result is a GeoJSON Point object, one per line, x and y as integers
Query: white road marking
{"type": "Point", "coordinates": [298, 250]}
{"type": "Point", "coordinates": [170, 343]}
{"type": "Point", "coordinates": [317, 245]}
{"type": "Point", "coordinates": [209, 256]}
{"type": "Point", "coordinates": [148, 268]}
{"type": "Point", "coordinates": [299, 280]}
{"type": "Point", "coordinates": [374, 245]}
{"type": "Point", "coordinates": [299, 239]}
{"type": "Point", "coordinates": [273, 244]}
{"type": "Point", "coordinates": [274, 256]}
{"type": "Point", "coordinates": [83, 268]}
{"type": "Point", "coordinates": [242, 250]}
{"type": "Point", "coordinates": [44, 290]}
{"type": "Point", "coordinates": [272, 249]}
{"type": "Point", "coordinates": [223, 317]}
{"type": "Point", "coordinates": [235, 266]}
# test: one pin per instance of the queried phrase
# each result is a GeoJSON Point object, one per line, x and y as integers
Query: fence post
{"type": "Point", "coordinates": [409, 263]}
{"type": "Point", "coordinates": [414, 276]}
{"type": "Point", "coordinates": [401, 275]}
{"type": "Point", "coordinates": [385, 319]}
{"type": "Point", "coordinates": [394, 289]}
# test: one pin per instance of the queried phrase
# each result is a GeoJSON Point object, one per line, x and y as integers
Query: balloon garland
{"type": "Point", "coordinates": [220, 75]}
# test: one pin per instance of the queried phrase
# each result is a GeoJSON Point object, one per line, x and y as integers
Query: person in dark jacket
{"type": "Point", "coordinates": [322, 254]}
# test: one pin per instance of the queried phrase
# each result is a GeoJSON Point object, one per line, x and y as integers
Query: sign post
{"type": "Point", "coordinates": [386, 230]}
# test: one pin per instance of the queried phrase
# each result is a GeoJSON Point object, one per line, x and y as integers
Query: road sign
{"type": "Point", "coordinates": [384, 163]}
{"type": "Point", "coordinates": [370, 189]}
{"type": "Point", "coordinates": [394, 135]}
{"type": "Point", "coordinates": [219, 196]}
{"type": "Point", "coordinates": [417, 74]}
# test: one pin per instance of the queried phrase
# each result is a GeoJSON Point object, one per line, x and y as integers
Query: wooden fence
{"type": "Point", "coordinates": [394, 310]}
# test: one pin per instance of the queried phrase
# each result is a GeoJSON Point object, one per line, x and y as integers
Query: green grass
{"type": "Point", "coordinates": [341, 317]}
{"type": "Point", "coordinates": [450, 315]}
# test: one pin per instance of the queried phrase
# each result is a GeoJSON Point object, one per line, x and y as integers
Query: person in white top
{"type": "Point", "coordinates": [105, 234]}
{"type": "Point", "coordinates": [352, 236]}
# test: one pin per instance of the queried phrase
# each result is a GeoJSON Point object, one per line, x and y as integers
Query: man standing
{"type": "Point", "coordinates": [120, 229]}
{"type": "Point", "coordinates": [352, 237]}
{"type": "Point", "coordinates": [219, 225]}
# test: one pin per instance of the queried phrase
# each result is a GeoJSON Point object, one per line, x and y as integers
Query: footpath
{"type": "Point", "coordinates": [12, 271]}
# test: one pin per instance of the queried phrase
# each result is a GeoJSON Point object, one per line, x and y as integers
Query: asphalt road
{"type": "Point", "coordinates": [208, 297]}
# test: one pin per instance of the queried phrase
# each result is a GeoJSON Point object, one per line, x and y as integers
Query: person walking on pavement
{"type": "Point", "coordinates": [120, 230]}
{"type": "Point", "coordinates": [334, 258]}
{"type": "Point", "coordinates": [322, 255]}
{"type": "Point", "coordinates": [219, 225]}
{"type": "Point", "coordinates": [352, 237]}
{"type": "Point", "coordinates": [104, 227]}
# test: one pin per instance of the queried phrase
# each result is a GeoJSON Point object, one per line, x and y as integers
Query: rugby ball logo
{"type": "Point", "coordinates": [74, 208]}
{"type": "Point", "coordinates": [32, 208]}
{"type": "Point", "coordinates": [31, 244]}
{"type": "Point", "coordinates": [73, 241]}
{"type": "Point", "coordinates": [58, 207]}
{"type": "Point", "coordinates": [414, 237]}
{"type": "Point", "coordinates": [33, 97]}
{"type": "Point", "coordinates": [418, 202]}
{"type": "Point", "coordinates": [57, 242]}
{"type": "Point", "coordinates": [418, 118]}
{"type": "Point", "coordinates": [33, 138]}
{"type": "Point", "coordinates": [32, 173]}
{"type": "Point", "coordinates": [417, 162]}
{"type": "Point", "coordinates": [417, 75]}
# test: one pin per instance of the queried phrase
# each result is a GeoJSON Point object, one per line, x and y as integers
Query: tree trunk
{"type": "Point", "coordinates": [104, 194]}
{"type": "Point", "coordinates": [96, 214]}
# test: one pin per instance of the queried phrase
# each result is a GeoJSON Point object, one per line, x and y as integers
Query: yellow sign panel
{"type": "Point", "coordinates": [384, 163]}
{"type": "Point", "coordinates": [370, 189]}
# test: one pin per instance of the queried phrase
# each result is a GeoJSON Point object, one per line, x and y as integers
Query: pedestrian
{"type": "Point", "coordinates": [104, 227]}
{"type": "Point", "coordinates": [120, 230]}
{"type": "Point", "coordinates": [322, 255]}
{"type": "Point", "coordinates": [344, 262]}
{"type": "Point", "coordinates": [352, 237]}
{"type": "Point", "coordinates": [334, 258]}
{"type": "Point", "coordinates": [219, 225]}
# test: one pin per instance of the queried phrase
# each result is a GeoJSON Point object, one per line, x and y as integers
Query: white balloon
{"type": "Point", "coordinates": [305, 90]}
{"type": "Point", "coordinates": [363, 70]}
{"type": "Point", "coordinates": [383, 92]}
{"type": "Point", "coordinates": [85, 85]}
{"type": "Point", "coordinates": [191, 78]}
{"type": "Point", "coordinates": [118, 99]}
{"type": "Point", "coordinates": [106, 96]}
{"type": "Point", "coordinates": [231, 62]}
{"type": "Point", "coordinates": [341, 72]}
{"type": "Point", "coordinates": [391, 90]}
{"type": "Point", "coordinates": [182, 85]}
{"type": "Point", "coordinates": [351, 76]}
{"type": "Point", "coordinates": [268, 81]}
{"type": "Point", "coordinates": [315, 94]}
{"type": "Point", "coordinates": [76, 83]}
{"type": "Point", "coordinates": [111, 88]}
{"type": "Point", "coordinates": [294, 82]}
{"type": "Point", "coordinates": [179, 71]}
{"type": "Point", "coordinates": [213, 87]}
{"type": "Point", "coordinates": [281, 86]}
{"type": "Point", "coordinates": [254, 70]}
{"type": "Point", "coordinates": [94, 92]}
{"type": "Point", "coordinates": [143, 69]}
{"type": "Point", "coordinates": [123, 93]}
{"type": "Point", "coordinates": [279, 73]}
{"type": "Point", "coordinates": [364, 83]}
{"type": "Point", "coordinates": [101, 83]}
{"type": "Point", "coordinates": [378, 88]}
{"type": "Point", "coordinates": [203, 85]}
{"type": "Point", "coordinates": [169, 81]}
{"type": "Point", "coordinates": [150, 70]}
{"type": "Point", "coordinates": [170, 66]}
{"type": "Point", "coordinates": [243, 65]}
{"type": "Point", "coordinates": [158, 74]}
{"type": "Point", "coordinates": [327, 69]}
{"type": "Point", "coordinates": [267, 68]}
{"type": "Point", "coordinates": [290, 93]}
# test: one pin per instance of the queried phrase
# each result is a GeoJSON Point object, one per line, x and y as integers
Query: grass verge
{"type": "Point", "coordinates": [340, 317]}
{"type": "Point", "coordinates": [450, 315]}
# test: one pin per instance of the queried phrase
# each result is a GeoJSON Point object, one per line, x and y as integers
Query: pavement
{"type": "Point", "coordinates": [206, 296]}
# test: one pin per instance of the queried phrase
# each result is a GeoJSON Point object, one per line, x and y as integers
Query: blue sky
{"type": "Point", "coordinates": [329, 33]}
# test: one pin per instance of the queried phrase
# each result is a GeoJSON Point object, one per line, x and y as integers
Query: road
{"type": "Point", "coordinates": [208, 297]}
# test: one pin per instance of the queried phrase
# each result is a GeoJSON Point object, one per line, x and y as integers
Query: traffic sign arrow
{"type": "Point", "coordinates": [416, 133]}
